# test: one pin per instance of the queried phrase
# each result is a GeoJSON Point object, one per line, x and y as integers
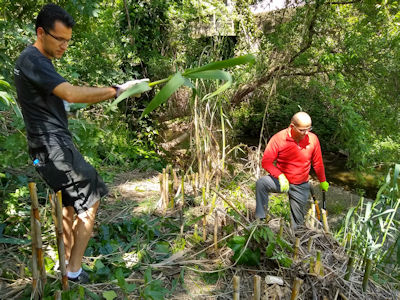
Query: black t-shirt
{"type": "Point", "coordinates": [44, 114]}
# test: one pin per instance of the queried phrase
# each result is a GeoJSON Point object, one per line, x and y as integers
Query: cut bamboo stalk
{"type": "Point", "coordinates": [322, 271]}
{"type": "Point", "coordinates": [367, 272]}
{"type": "Point", "coordinates": [38, 232]}
{"type": "Point", "coordinates": [257, 287]}
{"type": "Point", "coordinates": [162, 188]}
{"type": "Point", "coordinates": [309, 244]}
{"type": "Point", "coordinates": [349, 269]}
{"type": "Point", "coordinates": [208, 180]}
{"type": "Point", "coordinates": [176, 181]}
{"type": "Point", "coordinates": [57, 202]}
{"type": "Point", "coordinates": [182, 221]}
{"type": "Point", "coordinates": [35, 270]}
{"type": "Point", "coordinates": [57, 295]}
{"type": "Point", "coordinates": [325, 220]}
{"type": "Point", "coordinates": [343, 296]}
{"type": "Point", "coordinates": [236, 287]}
{"type": "Point", "coordinates": [22, 270]}
{"type": "Point", "coordinates": [325, 298]}
{"type": "Point", "coordinates": [183, 190]}
{"type": "Point", "coordinates": [281, 226]}
{"type": "Point", "coordinates": [215, 230]}
{"type": "Point", "coordinates": [205, 215]}
{"type": "Point", "coordinates": [196, 183]}
{"type": "Point", "coordinates": [195, 233]}
{"type": "Point", "coordinates": [318, 263]}
{"type": "Point", "coordinates": [193, 177]}
{"type": "Point", "coordinates": [166, 190]}
{"type": "Point", "coordinates": [307, 219]}
{"type": "Point", "coordinates": [312, 265]}
{"type": "Point", "coordinates": [171, 193]}
{"type": "Point", "coordinates": [296, 249]}
{"type": "Point", "coordinates": [161, 180]}
{"type": "Point", "coordinates": [296, 288]}
{"type": "Point", "coordinates": [312, 219]}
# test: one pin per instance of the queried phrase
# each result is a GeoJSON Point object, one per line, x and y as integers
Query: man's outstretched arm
{"type": "Point", "coordinates": [83, 94]}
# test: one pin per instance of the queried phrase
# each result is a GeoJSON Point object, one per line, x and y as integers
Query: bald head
{"type": "Point", "coordinates": [300, 125]}
{"type": "Point", "coordinates": [301, 119]}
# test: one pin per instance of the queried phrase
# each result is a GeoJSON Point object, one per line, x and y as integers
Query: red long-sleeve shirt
{"type": "Point", "coordinates": [293, 159]}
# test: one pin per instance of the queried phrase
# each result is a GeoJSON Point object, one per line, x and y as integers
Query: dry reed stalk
{"type": "Point", "coordinates": [296, 249]}
{"type": "Point", "coordinates": [309, 244]}
{"type": "Point", "coordinates": [257, 287]}
{"type": "Point", "coordinates": [205, 215]}
{"type": "Point", "coordinates": [236, 287]}
{"type": "Point", "coordinates": [230, 204]}
{"type": "Point", "coordinates": [193, 179]}
{"type": "Point", "coordinates": [166, 189]}
{"type": "Point", "coordinates": [296, 288]}
{"type": "Point", "coordinates": [57, 202]}
{"type": "Point", "coordinates": [38, 232]}
{"type": "Point", "coordinates": [216, 230]}
{"type": "Point", "coordinates": [336, 295]}
{"type": "Point", "coordinates": [183, 190]}
{"type": "Point", "coordinates": [207, 180]}
{"type": "Point", "coordinates": [221, 112]}
{"type": "Point", "coordinates": [266, 294]}
{"type": "Point", "coordinates": [196, 183]}
{"type": "Point", "coordinates": [325, 220]}
{"type": "Point", "coordinates": [35, 270]}
{"type": "Point", "coordinates": [171, 192]}
{"type": "Point", "coordinates": [367, 272]}
{"type": "Point", "coordinates": [176, 181]}
{"type": "Point", "coordinates": [161, 180]}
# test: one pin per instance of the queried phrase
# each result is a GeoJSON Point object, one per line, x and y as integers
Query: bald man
{"type": "Point", "coordinates": [293, 149]}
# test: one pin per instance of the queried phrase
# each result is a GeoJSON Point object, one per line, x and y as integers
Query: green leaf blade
{"type": "Point", "coordinates": [162, 96]}
{"type": "Point", "coordinates": [136, 89]}
{"type": "Point", "coordinates": [228, 63]}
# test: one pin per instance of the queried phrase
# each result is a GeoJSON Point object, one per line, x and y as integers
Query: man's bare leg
{"type": "Point", "coordinates": [81, 230]}
{"type": "Point", "coordinates": [68, 219]}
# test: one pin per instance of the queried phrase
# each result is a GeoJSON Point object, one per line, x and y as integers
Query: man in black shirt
{"type": "Point", "coordinates": [41, 91]}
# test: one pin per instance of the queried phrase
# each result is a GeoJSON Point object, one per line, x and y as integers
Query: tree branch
{"type": "Point", "coordinates": [129, 22]}
{"type": "Point", "coordinates": [306, 74]}
{"type": "Point", "coordinates": [246, 89]}
{"type": "Point", "coordinates": [344, 2]}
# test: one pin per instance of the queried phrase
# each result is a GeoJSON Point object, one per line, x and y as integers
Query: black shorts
{"type": "Point", "coordinates": [63, 168]}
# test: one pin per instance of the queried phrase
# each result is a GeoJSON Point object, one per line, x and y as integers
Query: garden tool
{"type": "Point", "coordinates": [319, 217]}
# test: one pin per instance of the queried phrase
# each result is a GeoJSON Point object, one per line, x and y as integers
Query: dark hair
{"type": "Point", "coordinates": [50, 13]}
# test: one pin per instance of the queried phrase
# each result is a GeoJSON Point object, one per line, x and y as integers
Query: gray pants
{"type": "Point", "coordinates": [298, 198]}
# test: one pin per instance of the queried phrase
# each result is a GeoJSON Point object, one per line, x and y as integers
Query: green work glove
{"type": "Point", "coordinates": [284, 183]}
{"type": "Point", "coordinates": [324, 186]}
